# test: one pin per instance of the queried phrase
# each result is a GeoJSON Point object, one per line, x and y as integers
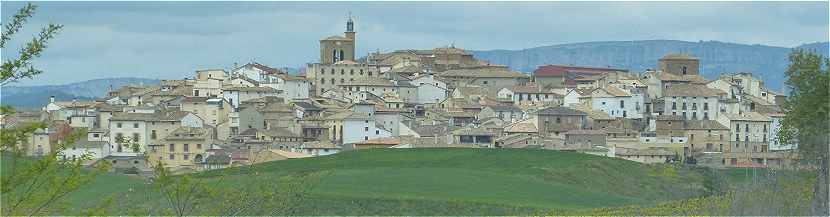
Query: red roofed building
{"type": "Point", "coordinates": [565, 76]}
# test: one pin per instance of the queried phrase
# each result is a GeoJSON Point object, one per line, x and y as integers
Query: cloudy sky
{"type": "Point", "coordinates": [173, 39]}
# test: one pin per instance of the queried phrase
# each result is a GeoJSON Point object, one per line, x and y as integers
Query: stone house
{"type": "Point", "coordinates": [553, 121]}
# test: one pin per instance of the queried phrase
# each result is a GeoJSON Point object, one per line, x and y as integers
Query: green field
{"type": "Point", "coordinates": [440, 182]}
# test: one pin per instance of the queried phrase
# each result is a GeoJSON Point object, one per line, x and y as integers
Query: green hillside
{"type": "Point", "coordinates": [439, 182]}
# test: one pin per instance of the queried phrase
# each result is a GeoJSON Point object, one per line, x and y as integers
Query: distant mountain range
{"type": "Point", "coordinates": [30, 97]}
{"type": "Point", "coordinates": [766, 62]}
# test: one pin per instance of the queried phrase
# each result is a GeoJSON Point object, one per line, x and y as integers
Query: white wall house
{"type": "Point", "coordinates": [528, 94]}
{"type": "Point", "coordinates": [692, 102]}
{"type": "Point", "coordinates": [617, 102]}
{"type": "Point", "coordinates": [358, 130]}
{"type": "Point", "coordinates": [291, 87]}
{"type": "Point", "coordinates": [430, 90]}
{"type": "Point", "coordinates": [127, 127]}
{"type": "Point", "coordinates": [574, 97]}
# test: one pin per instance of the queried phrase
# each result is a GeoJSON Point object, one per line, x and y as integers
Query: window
{"type": "Point", "coordinates": [171, 157]}
{"type": "Point", "coordinates": [135, 137]}
{"type": "Point", "coordinates": [365, 138]}
{"type": "Point", "coordinates": [737, 128]}
{"type": "Point", "coordinates": [370, 73]}
{"type": "Point", "coordinates": [705, 106]}
{"type": "Point", "coordinates": [484, 82]}
{"type": "Point", "coordinates": [622, 104]}
{"type": "Point", "coordinates": [186, 147]}
{"type": "Point", "coordinates": [684, 106]}
{"type": "Point", "coordinates": [625, 114]}
{"type": "Point", "coordinates": [172, 147]}
{"type": "Point", "coordinates": [765, 128]}
{"type": "Point", "coordinates": [366, 129]}
{"type": "Point", "coordinates": [96, 135]}
{"type": "Point", "coordinates": [673, 105]}
{"type": "Point", "coordinates": [683, 69]}
{"type": "Point", "coordinates": [198, 146]}
{"type": "Point", "coordinates": [153, 134]}
{"type": "Point", "coordinates": [694, 106]}
{"type": "Point", "coordinates": [186, 157]}
{"type": "Point", "coordinates": [746, 129]}
{"type": "Point", "coordinates": [558, 120]}
{"type": "Point", "coordinates": [377, 132]}
{"type": "Point", "coordinates": [118, 125]}
{"type": "Point", "coordinates": [351, 71]}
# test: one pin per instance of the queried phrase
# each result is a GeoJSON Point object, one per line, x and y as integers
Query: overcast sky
{"type": "Point", "coordinates": [173, 39]}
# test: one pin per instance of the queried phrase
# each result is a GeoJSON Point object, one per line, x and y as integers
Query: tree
{"type": "Point", "coordinates": [33, 186]}
{"type": "Point", "coordinates": [21, 67]}
{"type": "Point", "coordinates": [182, 193]}
{"type": "Point", "coordinates": [806, 123]}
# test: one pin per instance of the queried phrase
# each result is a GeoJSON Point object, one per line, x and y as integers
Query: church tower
{"type": "Point", "coordinates": [338, 48]}
{"type": "Point", "coordinates": [350, 28]}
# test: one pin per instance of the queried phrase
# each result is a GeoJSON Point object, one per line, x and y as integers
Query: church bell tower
{"type": "Point", "coordinates": [350, 34]}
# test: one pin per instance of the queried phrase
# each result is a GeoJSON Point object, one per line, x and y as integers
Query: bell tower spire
{"type": "Point", "coordinates": [350, 34]}
{"type": "Point", "coordinates": [350, 24]}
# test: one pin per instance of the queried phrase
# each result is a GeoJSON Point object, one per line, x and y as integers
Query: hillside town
{"type": "Point", "coordinates": [418, 98]}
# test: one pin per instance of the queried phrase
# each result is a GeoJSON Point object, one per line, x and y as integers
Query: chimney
{"type": "Point", "coordinates": [51, 99]}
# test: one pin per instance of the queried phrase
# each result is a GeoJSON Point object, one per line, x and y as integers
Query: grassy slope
{"type": "Point", "coordinates": [446, 182]}
{"type": "Point", "coordinates": [523, 179]}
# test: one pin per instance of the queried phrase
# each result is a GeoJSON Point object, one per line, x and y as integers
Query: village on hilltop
{"type": "Point", "coordinates": [435, 98]}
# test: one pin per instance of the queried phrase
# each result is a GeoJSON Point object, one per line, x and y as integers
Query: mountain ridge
{"type": "Point", "coordinates": [38, 96]}
{"type": "Point", "coordinates": [766, 62]}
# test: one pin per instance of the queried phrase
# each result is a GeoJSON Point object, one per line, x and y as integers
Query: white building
{"type": "Point", "coordinates": [575, 97]}
{"type": "Point", "coordinates": [690, 101]}
{"type": "Point", "coordinates": [530, 95]}
{"type": "Point", "coordinates": [90, 148]}
{"type": "Point", "coordinates": [430, 90]}
{"type": "Point", "coordinates": [291, 87]}
{"type": "Point", "coordinates": [617, 102]}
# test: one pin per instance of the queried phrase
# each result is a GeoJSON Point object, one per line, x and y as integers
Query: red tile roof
{"type": "Point", "coordinates": [560, 70]}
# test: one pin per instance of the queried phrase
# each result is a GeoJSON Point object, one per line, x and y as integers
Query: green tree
{"type": "Point", "coordinates": [33, 186]}
{"type": "Point", "coordinates": [21, 67]}
{"type": "Point", "coordinates": [806, 123]}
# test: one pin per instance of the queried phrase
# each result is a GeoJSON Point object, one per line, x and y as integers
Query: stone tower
{"type": "Point", "coordinates": [680, 64]}
{"type": "Point", "coordinates": [338, 48]}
